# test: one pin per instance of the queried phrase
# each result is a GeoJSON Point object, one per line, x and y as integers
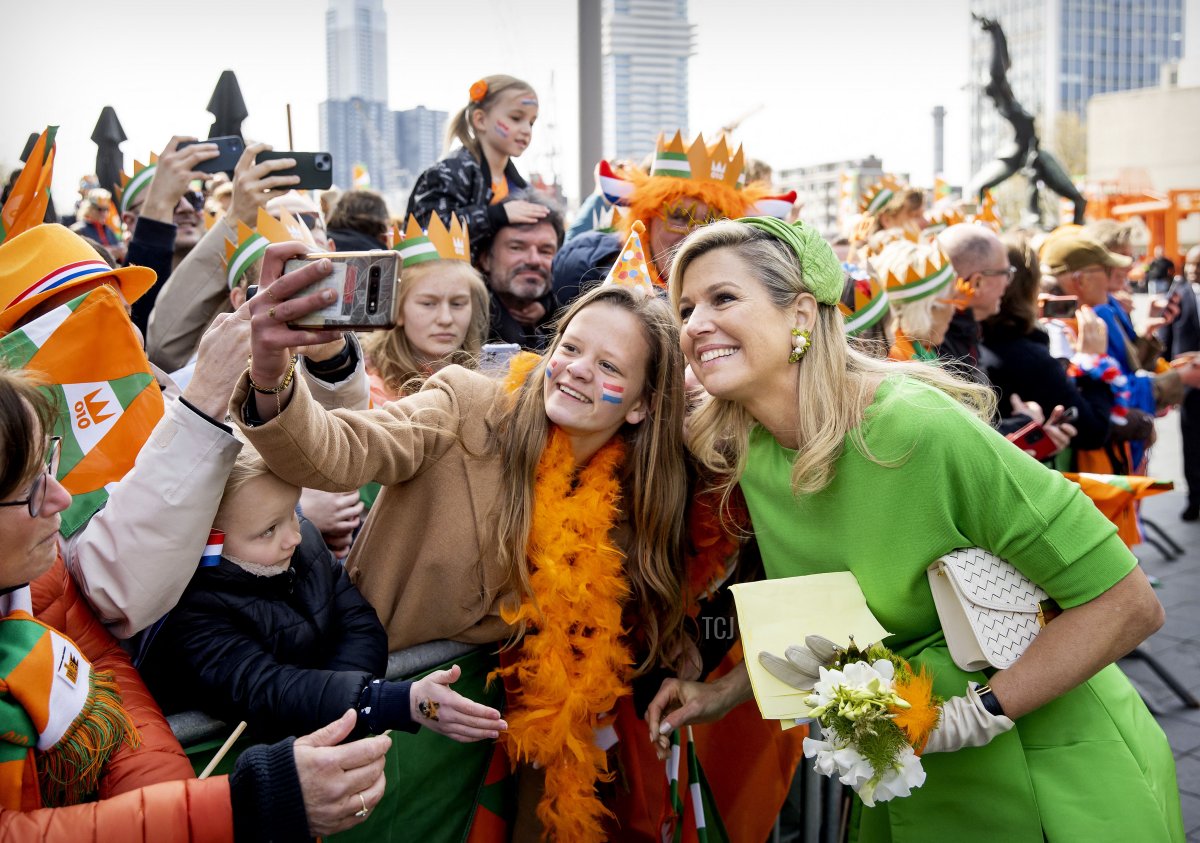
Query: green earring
{"type": "Point", "coordinates": [801, 342]}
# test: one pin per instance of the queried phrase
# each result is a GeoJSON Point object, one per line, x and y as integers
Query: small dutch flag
{"type": "Point", "coordinates": [212, 550]}
{"type": "Point", "coordinates": [612, 393]}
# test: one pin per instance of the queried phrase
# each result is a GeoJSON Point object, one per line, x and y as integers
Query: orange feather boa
{"type": "Point", "coordinates": [573, 663]}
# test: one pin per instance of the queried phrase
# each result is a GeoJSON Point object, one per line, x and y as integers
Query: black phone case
{"type": "Point", "coordinates": [315, 169]}
{"type": "Point", "coordinates": [231, 148]}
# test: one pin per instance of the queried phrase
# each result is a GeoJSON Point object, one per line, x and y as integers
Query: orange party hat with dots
{"type": "Point", "coordinates": [630, 269]}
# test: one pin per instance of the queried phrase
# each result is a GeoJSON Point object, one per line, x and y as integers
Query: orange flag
{"type": "Point", "coordinates": [26, 205]}
{"type": "Point", "coordinates": [1115, 495]}
{"type": "Point", "coordinates": [90, 360]}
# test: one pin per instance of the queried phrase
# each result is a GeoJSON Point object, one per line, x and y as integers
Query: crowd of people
{"type": "Point", "coordinates": [694, 390]}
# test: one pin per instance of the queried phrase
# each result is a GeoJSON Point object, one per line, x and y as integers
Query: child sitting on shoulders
{"type": "Point", "coordinates": [494, 127]}
{"type": "Point", "coordinates": [271, 631]}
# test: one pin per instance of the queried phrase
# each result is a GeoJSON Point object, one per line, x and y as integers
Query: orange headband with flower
{"type": "Point", "coordinates": [479, 90]}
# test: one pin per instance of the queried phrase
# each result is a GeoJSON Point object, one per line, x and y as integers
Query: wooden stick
{"type": "Point", "coordinates": [229, 742]}
{"type": "Point", "coordinates": [291, 146]}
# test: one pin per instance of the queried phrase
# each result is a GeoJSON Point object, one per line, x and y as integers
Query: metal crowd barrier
{"type": "Point", "coordinates": [816, 802]}
{"type": "Point", "coordinates": [193, 728]}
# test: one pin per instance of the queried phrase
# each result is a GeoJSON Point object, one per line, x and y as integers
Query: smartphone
{"type": "Point", "coordinates": [366, 286]}
{"type": "Point", "coordinates": [315, 169]}
{"type": "Point", "coordinates": [1032, 439]}
{"type": "Point", "coordinates": [1069, 416]}
{"type": "Point", "coordinates": [230, 148]}
{"type": "Point", "coordinates": [1058, 307]}
{"type": "Point", "coordinates": [494, 357]}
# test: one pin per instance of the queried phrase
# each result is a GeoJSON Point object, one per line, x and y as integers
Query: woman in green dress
{"type": "Point", "coordinates": [879, 468]}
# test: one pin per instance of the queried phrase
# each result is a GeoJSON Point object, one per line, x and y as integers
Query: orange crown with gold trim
{"type": "Point", "coordinates": [699, 162]}
{"type": "Point", "coordinates": [135, 185]}
{"type": "Point", "coordinates": [927, 272]}
{"type": "Point", "coordinates": [876, 197]}
{"type": "Point", "coordinates": [434, 243]}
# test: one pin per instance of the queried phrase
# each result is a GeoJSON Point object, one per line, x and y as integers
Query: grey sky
{"type": "Point", "coordinates": [837, 79]}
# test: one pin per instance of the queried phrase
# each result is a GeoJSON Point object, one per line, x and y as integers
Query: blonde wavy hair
{"type": "Point", "coordinates": [836, 382]}
{"type": "Point", "coordinates": [391, 353]}
{"type": "Point", "coordinates": [914, 316]}
{"type": "Point", "coordinates": [654, 480]}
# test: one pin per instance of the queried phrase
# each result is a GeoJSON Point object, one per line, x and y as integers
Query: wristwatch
{"type": "Point", "coordinates": [989, 700]}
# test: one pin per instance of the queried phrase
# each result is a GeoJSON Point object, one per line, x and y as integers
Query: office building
{"type": "Point", "coordinates": [356, 126]}
{"type": "Point", "coordinates": [645, 45]}
{"type": "Point", "coordinates": [828, 194]}
{"type": "Point", "coordinates": [1062, 53]}
{"type": "Point", "coordinates": [420, 134]}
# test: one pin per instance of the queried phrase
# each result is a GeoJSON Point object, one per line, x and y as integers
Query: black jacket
{"type": "Point", "coordinates": [1021, 364]}
{"type": "Point", "coordinates": [288, 654]}
{"type": "Point", "coordinates": [504, 328]}
{"type": "Point", "coordinates": [462, 185]}
{"type": "Point", "coordinates": [582, 263]}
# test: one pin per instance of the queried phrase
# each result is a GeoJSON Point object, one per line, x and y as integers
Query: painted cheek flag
{"type": "Point", "coordinates": [26, 205]}
{"type": "Point", "coordinates": [91, 363]}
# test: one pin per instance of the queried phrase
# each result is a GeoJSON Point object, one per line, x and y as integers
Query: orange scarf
{"type": "Point", "coordinates": [573, 664]}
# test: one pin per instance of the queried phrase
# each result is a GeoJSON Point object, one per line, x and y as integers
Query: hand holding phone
{"type": "Point", "coordinates": [1058, 307]}
{"type": "Point", "coordinates": [229, 150]}
{"type": "Point", "coordinates": [1033, 440]}
{"type": "Point", "coordinates": [314, 169]}
{"type": "Point", "coordinates": [365, 286]}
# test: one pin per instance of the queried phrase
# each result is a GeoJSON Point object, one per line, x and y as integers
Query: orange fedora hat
{"type": "Point", "coordinates": [48, 259]}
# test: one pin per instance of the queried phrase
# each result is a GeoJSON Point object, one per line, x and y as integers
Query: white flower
{"type": "Point", "coordinates": [897, 781]}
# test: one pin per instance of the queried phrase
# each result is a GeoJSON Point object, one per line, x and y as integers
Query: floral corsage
{"type": "Point", "coordinates": [876, 714]}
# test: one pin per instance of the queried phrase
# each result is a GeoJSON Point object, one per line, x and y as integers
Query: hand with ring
{"type": "Point", "coordinates": [340, 782]}
{"type": "Point", "coordinates": [439, 708]}
{"type": "Point", "coordinates": [272, 342]}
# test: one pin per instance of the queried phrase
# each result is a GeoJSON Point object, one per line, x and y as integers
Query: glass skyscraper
{"type": "Point", "coordinates": [356, 126]}
{"type": "Point", "coordinates": [645, 46]}
{"type": "Point", "coordinates": [1065, 51]}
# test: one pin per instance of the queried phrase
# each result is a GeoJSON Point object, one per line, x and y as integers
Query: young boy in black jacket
{"type": "Point", "coordinates": [271, 631]}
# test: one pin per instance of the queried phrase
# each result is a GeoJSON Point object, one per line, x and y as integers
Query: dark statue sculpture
{"type": "Point", "coordinates": [1025, 155]}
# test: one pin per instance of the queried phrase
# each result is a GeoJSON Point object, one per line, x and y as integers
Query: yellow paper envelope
{"type": "Point", "coordinates": [776, 614]}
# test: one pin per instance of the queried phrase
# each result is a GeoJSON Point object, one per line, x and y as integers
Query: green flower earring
{"type": "Point", "coordinates": [801, 342]}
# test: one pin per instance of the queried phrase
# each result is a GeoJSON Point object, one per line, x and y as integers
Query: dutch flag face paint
{"type": "Point", "coordinates": [550, 367]}
{"type": "Point", "coordinates": [612, 393]}
{"type": "Point", "coordinates": [502, 129]}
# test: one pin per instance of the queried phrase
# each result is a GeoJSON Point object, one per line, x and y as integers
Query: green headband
{"type": "Point", "coordinates": [820, 267]}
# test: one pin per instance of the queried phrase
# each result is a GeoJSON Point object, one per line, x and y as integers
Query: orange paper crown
{"type": "Point", "coordinates": [699, 162]}
{"type": "Point", "coordinates": [928, 272]}
{"type": "Point", "coordinates": [133, 186]}
{"type": "Point", "coordinates": [434, 243]}
{"type": "Point", "coordinates": [875, 198]}
{"type": "Point", "coordinates": [252, 244]}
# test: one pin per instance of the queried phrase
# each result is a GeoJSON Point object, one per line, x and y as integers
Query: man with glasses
{"type": "Point", "coordinates": [981, 263]}
{"type": "Point", "coordinates": [1082, 267]}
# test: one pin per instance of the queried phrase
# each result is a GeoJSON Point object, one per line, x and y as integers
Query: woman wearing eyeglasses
{"type": "Point", "coordinates": [84, 751]}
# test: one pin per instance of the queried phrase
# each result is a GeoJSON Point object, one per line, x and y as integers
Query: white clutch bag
{"type": "Point", "coordinates": [990, 611]}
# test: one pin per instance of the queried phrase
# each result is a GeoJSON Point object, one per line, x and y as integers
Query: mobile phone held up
{"type": "Point", "coordinates": [315, 169]}
{"type": "Point", "coordinates": [1032, 439]}
{"type": "Point", "coordinates": [230, 148]}
{"type": "Point", "coordinates": [366, 287]}
{"type": "Point", "coordinates": [1059, 307]}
